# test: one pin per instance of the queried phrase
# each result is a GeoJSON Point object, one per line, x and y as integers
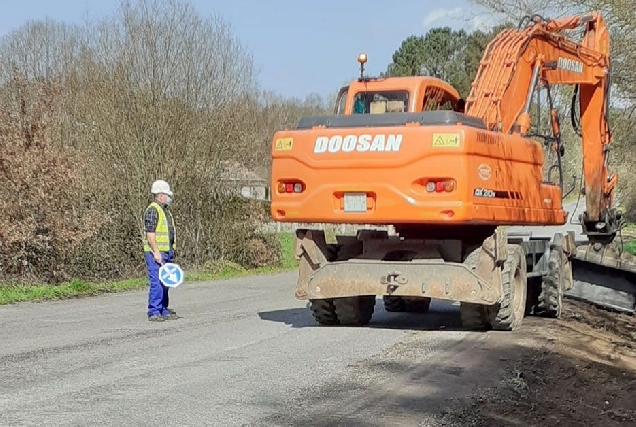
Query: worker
{"type": "Point", "coordinates": [159, 246]}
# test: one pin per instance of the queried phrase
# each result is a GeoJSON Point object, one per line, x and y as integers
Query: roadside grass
{"type": "Point", "coordinates": [221, 270]}
{"type": "Point", "coordinates": [78, 288]}
{"type": "Point", "coordinates": [630, 247]}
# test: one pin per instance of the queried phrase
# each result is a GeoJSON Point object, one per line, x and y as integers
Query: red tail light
{"type": "Point", "coordinates": [291, 187]}
{"type": "Point", "coordinates": [441, 185]}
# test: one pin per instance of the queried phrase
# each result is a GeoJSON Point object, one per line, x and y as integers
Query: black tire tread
{"type": "Point", "coordinates": [550, 299]}
{"type": "Point", "coordinates": [355, 311]}
{"type": "Point", "coordinates": [324, 311]}
{"type": "Point", "coordinates": [394, 304]}
{"type": "Point", "coordinates": [502, 315]}
{"type": "Point", "coordinates": [417, 305]}
{"type": "Point", "coordinates": [473, 316]}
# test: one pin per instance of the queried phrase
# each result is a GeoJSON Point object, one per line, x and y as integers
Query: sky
{"type": "Point", "coordinates": [298, 47]}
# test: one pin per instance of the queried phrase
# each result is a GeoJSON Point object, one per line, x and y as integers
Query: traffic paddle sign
{"type": "Point", "coordinates": [171, 275]}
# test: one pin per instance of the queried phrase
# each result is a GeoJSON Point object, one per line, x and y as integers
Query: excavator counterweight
{"type": "Point", "coordinates": [439, 179]}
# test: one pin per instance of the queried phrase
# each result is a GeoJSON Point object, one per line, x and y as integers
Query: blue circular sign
{"type": "Point", "coordinates": [171, 275]}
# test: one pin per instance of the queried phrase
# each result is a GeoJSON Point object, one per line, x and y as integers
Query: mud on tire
{"type": "Point", "coordinates": [508, 315]}
{"type": "Point", "coordinates": [355, 311]}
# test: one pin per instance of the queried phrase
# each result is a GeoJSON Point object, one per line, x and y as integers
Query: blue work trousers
{"type": "Point", "coordinates": [157, 292]}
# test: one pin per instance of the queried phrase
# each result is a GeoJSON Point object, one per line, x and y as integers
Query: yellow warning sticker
{"type": "Point", "coordinates": [284, 144]}
{"type": "Point", "coordinates": [446, 139]}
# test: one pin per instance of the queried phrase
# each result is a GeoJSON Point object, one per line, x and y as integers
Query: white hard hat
{"type": "Point", "coordinates": [161, 186]}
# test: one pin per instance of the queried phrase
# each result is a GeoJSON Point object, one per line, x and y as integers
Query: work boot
{"type": "Point", "coordinates": [156, 318]}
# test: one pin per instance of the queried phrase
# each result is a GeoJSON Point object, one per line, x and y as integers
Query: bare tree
{"type": "Point", "coordinates": [154, 91]}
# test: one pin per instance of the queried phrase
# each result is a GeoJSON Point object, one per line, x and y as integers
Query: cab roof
{"type": "Point", "coordinates": [407, 82]}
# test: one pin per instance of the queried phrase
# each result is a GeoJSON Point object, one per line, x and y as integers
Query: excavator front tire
{"type": "Point", "coordinates": [508, 315]}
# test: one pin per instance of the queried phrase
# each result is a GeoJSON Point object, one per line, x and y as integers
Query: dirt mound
{"type": "Point", "coordinates": [580, 370]}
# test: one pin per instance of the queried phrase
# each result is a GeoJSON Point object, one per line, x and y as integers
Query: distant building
{"type": "Point", "coordinates": [240, 180]}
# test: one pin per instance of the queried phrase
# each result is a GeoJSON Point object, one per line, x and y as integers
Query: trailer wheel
{"type": "Point", "coordinates": [508, 315]}
{"type": "Point", "coordinates": [355, 311]}
{"type": "Point", "coordinates": [324, 311]}
{"type": "Point", "coordinates": [550, 301]}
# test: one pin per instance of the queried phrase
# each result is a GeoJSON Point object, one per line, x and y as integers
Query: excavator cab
{"type": "Point", "coordinates": [378, 95]}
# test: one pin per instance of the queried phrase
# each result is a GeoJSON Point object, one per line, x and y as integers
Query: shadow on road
{"type": "Point", "coordinates": [442, 316]}
{"type": "Point", "coordinates": [556, 373]}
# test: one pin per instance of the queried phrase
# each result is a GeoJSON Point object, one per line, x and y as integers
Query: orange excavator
{"type": "Point", "coordinates": [440, 178]}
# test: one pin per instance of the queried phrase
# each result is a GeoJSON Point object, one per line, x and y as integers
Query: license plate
{"type": "Point", "coordinates": [355, 202]}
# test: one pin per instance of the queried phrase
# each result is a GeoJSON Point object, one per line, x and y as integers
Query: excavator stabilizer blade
{"type": "Point", "coordinates": [604, 275]}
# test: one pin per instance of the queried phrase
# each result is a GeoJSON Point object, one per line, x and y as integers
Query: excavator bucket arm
{"type": "Point", "coordinates": [514, 64]}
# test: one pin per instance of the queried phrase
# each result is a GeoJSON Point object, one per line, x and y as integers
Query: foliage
{"type": "Point", "coordinates": [450, 55]}
{"type": "Point", "coordinates": [42, 220]}
{"type": "Point", "coordinates": [213, 269]}
{"type": "Point", "coordinates": [620, 16]}
{"type": "Point", "coordinates": [92, 115]}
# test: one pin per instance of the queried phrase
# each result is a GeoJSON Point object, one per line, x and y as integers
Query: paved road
{"type": "Point", "coordinates": [244, 353]}
{"type": "Point", "coordinates": [252, 356]}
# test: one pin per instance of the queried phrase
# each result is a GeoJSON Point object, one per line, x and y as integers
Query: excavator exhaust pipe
{"type": "Point", "coordinates": [605, 276]}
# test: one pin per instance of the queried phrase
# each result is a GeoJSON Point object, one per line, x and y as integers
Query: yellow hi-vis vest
{"type": "Point", "coordinates": [162, 232]}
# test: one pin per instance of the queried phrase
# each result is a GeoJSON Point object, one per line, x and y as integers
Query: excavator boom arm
{"type": "Point", "coordinates": [517, 61]}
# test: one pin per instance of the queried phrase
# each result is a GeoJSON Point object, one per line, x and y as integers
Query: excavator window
{"type": "Point", "coordinates": [380, 102]}
{"type": "Point", "coordinates": [341, 102]}
{"type": "Point", "coordinates": [436, 98]}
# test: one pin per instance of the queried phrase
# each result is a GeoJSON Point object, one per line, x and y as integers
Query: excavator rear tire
{"type": "Point", "coordinates": [355, 311]}
{"type": "Point", "coordinates": [474, 316]}
{"type": "Point", "coordinates": [417, 305]}
{"type": "Point", "coordinates": [324, 311]}
{"type": "Point", "coordinates": [394, 304]}
{"type": "Point", "coordinates": [508, 315]}
{"type": "Point", "coordinates": [409, 305]}
{"type": "Point", "coordinates": [550, 301]}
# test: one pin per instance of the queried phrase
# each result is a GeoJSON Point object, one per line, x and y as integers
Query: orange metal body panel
{"type": "Point", "coordinates": [394, 181]}
{"type": "Point", "coordinates": [500, 89]}
{"type": "Point", "coordinates": [500, 160]}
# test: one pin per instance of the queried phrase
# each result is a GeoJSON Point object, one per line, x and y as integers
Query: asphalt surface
{"type": "Point", "coordinates": [245, 352]}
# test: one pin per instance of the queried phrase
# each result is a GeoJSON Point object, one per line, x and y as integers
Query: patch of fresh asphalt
{"type": "Point", "coordinates": [245, 352]}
